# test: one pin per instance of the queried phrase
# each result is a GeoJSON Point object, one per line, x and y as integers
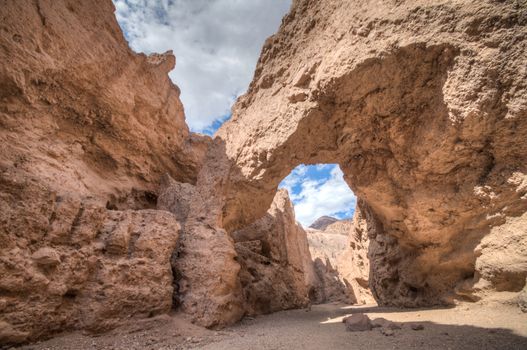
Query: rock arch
{"type": "Point", "coordinates": [424, 118]}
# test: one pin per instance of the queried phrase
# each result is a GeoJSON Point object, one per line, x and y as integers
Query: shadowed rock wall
{"type": "Point", "coordinates": [276, 267]}
{"type": "Point", "coordinates": [339, 250]}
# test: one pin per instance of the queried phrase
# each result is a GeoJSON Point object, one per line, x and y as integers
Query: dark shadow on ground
{"type": "Point", "coordinates": [438, 336]}
{"type": "Point", "coordinates": [388, 309]}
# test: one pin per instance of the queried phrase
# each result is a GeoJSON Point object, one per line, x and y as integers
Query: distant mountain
{"type": "Point", "coordinates": [322, 222]}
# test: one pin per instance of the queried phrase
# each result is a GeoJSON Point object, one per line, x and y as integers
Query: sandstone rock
{"type": "Point", "coordinates": [384, 323]}
{"type": "Point", "coordinates": [340, 257]}
{"type": "Point", "coordinates": [501, 263]}
{"type": "Point", "coordinates": [327, 250]}
{"type": "Point", "coordinates": [46, 257]}
{"type": "Point", "coordinates": [84, 112]}
{"type": "Point", "coordinates": [87, 128]}
{"type": "Point", "coordinates": [423, 107]}
{"type": "Point", "coordinates": [81, 281]}
{"type": "Point", "coordinates": [175, 197]}
{"type": "Point", "coordinates": [275, 262]}
{"type": "Point", "coordinates": [8, 334]}
{"type": "Point", "coordinates": [322, 222]}
{"type": "Point", "coordinates": [357, 323]}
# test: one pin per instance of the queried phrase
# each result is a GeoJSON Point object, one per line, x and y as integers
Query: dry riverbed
{"type": "Point", "coordinates": [467, 326]}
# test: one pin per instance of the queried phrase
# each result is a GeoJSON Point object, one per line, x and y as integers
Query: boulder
{"type": "Point", "coordinates": [357, 323]}
{"type": "Point", "coordinates": [384, 323]}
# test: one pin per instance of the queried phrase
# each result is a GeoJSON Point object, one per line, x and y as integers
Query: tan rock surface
{"type": "Point", "coordinates": [82, 110]}
{"type": "Point", "coordinates": [276, 268]}
{"type": "Point", "coordinates": [422, 104]}
{"type": "Point", "coordinates": [87, 129]}
{"type": "Point", "coordinates": [322, 222]}
{"type": "Point", "coordinates": [75, 265]}
{"type": "Point", "coordinates": [340, 256]}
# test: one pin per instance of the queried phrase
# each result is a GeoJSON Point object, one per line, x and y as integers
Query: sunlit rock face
{"type": "Point", "coordinates": [422, 106]}
{"type": "Point", "coordinates": [339, 249]}
{"type": "Point", "coordinates": [87, 128]}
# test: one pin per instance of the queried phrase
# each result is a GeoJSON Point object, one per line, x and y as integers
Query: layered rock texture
{"type": "Point", "coordinates": [87, 128]}
{"type": "Point", "coordinates": [111, 208]}
{"type": "Point", "coordinates": [422, 104]}
{"type": "Point", "coordinates": [340, 256]}
{"type": "Point", "coordinates": [276, 268]}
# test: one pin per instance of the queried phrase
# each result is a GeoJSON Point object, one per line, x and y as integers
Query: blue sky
{"type": "Point", "coordinates": [212, 128]}
{"type": "Point", "coordinates": [217, 44]}
{"type": "Point", "coordinates": [318, 190]}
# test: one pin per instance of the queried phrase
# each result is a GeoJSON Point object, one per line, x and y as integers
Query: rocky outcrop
{"type": "Point", "coordinates": [322, 222]}
{"type": "Point", "coordinates": [82, 111]}
{"type": "Point", "coordinates": [327, 250]}
{"type": "Point", "coordinates": [339, 253]}
{"type": "Point", "coordinates": [70, 264]}
{"type": "Point", "coordinates": [87, 128]}
{"type": "Point", "coordinates": [501, 263]}
{"type": "Point", "coordinates": [276, 269]}
{"type": "Point", "coordinates": [423, 107]}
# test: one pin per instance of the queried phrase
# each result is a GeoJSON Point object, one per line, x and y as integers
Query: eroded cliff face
{"type": "Point", "coordinates": [276, 268]}
{"type": "Point", "coordinates": [423, 105]}
{"type": "Point", "coordinates": [81, 110]}
{"type": "Point", "coordinates": [339, 249]}
{"type": "Point", "coordinates": [87, 128]}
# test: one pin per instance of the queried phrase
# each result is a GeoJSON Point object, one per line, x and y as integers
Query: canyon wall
{"type": "Point", "coordinates": [110, 208]}
{"type": "Point", "coordinates": [87, 128]}
{"type": "Point", "coordinates": [276, 267]}
{"type": "Point", "coordinates": [422, 104]}
{"type": "Point", "coordinates": [339, 249]}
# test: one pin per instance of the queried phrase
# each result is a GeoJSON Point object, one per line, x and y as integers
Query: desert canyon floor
{"type": "Point", "coordinates": [466, 326]}
{"type": "Point", "coordinates": [121, 228]}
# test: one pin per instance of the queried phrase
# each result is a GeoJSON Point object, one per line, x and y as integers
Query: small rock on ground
{"type": "Point", "coordinates": [357, 323]}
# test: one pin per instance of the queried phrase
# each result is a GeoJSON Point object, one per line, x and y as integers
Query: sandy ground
{"type": "Point", "coordinates": [467, 326]}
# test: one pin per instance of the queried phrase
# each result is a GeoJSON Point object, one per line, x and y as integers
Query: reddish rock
{"type": "Point", "coordinates": [423, 107]}
{"type": "Point", "coordinates": [46, 256]}
{"type": "Point", "coordinates": [276, 268]}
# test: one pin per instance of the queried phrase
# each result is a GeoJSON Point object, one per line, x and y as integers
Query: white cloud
{"type": "Point", "coordinates": [314, 198]}
{"type": "Point", "coordinates": [216, 43]}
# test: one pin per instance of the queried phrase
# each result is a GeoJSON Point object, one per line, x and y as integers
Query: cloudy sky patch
{"type": "Point", "coordinates": [216, 43]}
{"type": "Point", "coordinates": [318, 190]}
